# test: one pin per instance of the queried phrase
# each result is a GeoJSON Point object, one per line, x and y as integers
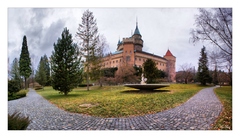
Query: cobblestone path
{"type": "Point", "coordinates": [198, 113]}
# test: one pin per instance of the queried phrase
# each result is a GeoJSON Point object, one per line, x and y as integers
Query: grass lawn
{"type": "Point", "coordinates": [120, 101]}
{"type": "Point", "coordinates": [224, 122]}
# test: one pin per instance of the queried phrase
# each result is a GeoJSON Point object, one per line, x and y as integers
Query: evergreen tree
{"type": "Point", "coordinates": [214, 76]}
{"type": "Point", "coordinates": [41, 76]}
{"type": "Point", "coordinates": [25, 61]}
{"type": "Point", "coordinates": [88, 35]}
{"type": "Point", "coordinates": [15, 72]}
{"type": "Point", "coordinates": [47, 69]}
{"type": "Point", "coordinates": [150, 71]}
{"type": "Point", "coordinates": [65, 64]}
{"type": "Point", "coordinates": [203, 72]}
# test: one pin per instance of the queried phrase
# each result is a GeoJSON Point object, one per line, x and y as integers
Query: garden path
{"type": "Point", "coordinates": [198, 113]}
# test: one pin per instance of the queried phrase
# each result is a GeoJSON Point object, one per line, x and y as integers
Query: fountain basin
{"type": "Point", "coordinates": [149, 87]}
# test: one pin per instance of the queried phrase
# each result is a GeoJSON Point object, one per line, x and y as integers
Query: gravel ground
{"type": "Point", "coordinates": [198, 113]}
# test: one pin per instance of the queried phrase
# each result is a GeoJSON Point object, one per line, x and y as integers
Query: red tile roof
{"type": "Point", "coordinates": [168, 53]}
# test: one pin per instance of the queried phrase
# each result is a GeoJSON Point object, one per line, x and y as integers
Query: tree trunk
{"type": "Point", "coordinates": [25, 79]}
{"type": "Point", "coordinates": [100, 82]}
{"type": "Point", "coordinates": [88, 68]}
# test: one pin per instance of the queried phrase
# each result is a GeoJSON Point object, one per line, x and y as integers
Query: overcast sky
{"type": "Point", "coordinates": [161, 29]}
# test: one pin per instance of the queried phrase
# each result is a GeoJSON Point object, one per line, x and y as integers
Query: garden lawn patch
{"type": "Point", "coordinates": [120, 101]}
{"type": "Point", "coordinates": [224, 121]}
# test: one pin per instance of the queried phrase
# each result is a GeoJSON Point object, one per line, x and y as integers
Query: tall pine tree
{"type": "Point", "coordinates": [41, 76]}
{"type": "Point", "coordinates": [15, 72]}
{"type": "Point", "coordinates": [203, 72]}
{"type": "Point", "coordinates": [65, 64]}
{"type": "Point", "coordinates": [47, 69]}
{"type": "Point", "coordinates": [88, 35]}
{"type": "Point", "coordinates": [25, 61]}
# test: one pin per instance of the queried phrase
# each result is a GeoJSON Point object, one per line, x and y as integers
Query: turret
{"type": "Point", "coordinates": [171, 61]}
{"type": "Point", "coordinates": [119, 45]}
{"type": "Point", "coordinates": [138, 42]}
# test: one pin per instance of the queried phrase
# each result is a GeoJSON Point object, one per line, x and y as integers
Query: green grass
{"type": "Point", "coordinates": [119, 101]}
{"type": "Point", "coordinates": [20, 94]}
{"type": "Point", "coordinates": [224, 121]}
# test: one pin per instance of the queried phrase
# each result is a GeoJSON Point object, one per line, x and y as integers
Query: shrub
{"type": "Point", "coordinates": [16, 122]}
{"type": "Point", "coordinates": [12, 96]}
{"type": "Point", "coordinates": [13, 87]}
{"type": "Point", "coordinates": [20, 94]}
{"type": "Point", "coordinates": [38, 87]}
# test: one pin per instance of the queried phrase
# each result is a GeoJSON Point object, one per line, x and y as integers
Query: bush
{"type": "Point", "coordinates": [38, 87]}
{"type": "Point", "coordinates": [12, 96]}
{"type": "Point", "coordinates": [16, 122]}
{"type": "Point", "coordinates": [13, 87]}
{"type": "Point", "coordinates": [20, 94]}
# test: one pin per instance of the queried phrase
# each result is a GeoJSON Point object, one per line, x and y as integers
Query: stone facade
{"type": "Point", "coordinates": [129, 51]}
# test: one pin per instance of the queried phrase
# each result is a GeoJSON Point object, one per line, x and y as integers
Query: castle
{"type": "Point", "coordinates": [129, 51]}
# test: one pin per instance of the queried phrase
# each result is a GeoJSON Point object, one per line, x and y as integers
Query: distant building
{"type": "Point", "coordinates": [129, 51]}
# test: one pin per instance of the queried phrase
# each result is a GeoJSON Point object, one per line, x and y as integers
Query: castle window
{"type": "Point", "coordinates": [139, 59]}
{"type": "Point", "coordinates": [130, 51]}
{"type": "Point", "coordinates": [113, 61]}
{"type": "Point", "coordinates": [120, 60]}
{"type": "Point", "coordinates": [116, 61]}
{"type": "Point", "coordinates": [128, 58]}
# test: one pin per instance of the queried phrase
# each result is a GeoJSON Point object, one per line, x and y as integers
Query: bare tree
{"type": "Point", "coordinates": [126, 74]}
{"type": "Point", "coordinates": [187, 73]}
{"type": "Point", "coordinates": [89, 37]}
{"type": "Point", "coordinates": [96, 63]}
{"type": "Point", "coordinates": [214, 26]}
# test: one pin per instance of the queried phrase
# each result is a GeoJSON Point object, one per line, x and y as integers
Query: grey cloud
{"type": "Point", "coordinates": [52, 33]}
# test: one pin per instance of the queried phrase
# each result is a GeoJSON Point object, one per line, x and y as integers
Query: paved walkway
{"type": "Point", "coordinates": [198, 113]}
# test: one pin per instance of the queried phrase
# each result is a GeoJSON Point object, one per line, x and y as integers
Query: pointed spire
{"type": "Point", "coordinates": [119, 42]}
{"type": "Point", "coordinates": [136, 32]}
{"type": "Point", "coordinates": [136, 21]}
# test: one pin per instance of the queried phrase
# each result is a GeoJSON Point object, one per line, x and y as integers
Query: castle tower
{"type": "Point", "coordinates": [119, 45]}
{"type": "Point", "coordinates": [171, 66]}
{"type": "Point", "coordinates": [138, 42]}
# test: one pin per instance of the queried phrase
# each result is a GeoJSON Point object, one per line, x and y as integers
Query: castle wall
{"type": "Point", "coordinates": [140, 58]}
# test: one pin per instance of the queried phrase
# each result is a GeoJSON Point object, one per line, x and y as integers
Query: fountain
{"type": "Point", "coordinates": [146, 87]}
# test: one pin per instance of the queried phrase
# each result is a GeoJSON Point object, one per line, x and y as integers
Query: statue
{"type": "Point", "coordinates": [143, 80]}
